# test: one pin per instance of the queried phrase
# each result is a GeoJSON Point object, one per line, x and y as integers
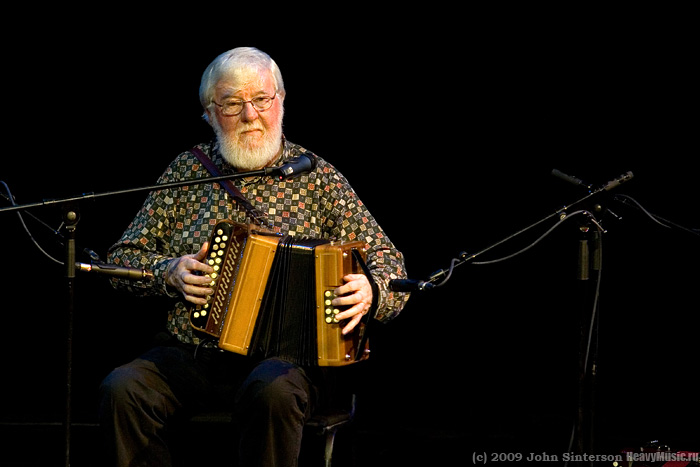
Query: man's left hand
{"type": "Point", "coordinates": [356, 292]}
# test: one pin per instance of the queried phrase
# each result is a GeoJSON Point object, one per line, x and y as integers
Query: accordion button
{"type": "Point", "coordinates": [224, 238]}
{"type": "Point", "coordinates": [328, 311]}
{"type": "Point", "coordinates": [329, 320]}
{"type": "Point", "coordinates": [328, 293]}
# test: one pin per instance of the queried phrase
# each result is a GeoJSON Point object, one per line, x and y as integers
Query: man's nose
{"type": "Point", "coordinates": [249, 113]}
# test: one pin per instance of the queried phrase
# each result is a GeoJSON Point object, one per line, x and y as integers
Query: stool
{"type": "Point", "coordinates": [325, 423]}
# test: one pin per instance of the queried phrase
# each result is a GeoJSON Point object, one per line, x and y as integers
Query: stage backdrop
{"type": "Point", "coordinates": [451, 147]}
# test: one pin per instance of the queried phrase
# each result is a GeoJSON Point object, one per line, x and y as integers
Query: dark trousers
{"type": "Point", "coordinates": [141, 401]}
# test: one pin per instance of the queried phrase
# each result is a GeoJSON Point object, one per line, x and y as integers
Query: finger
{"type": "Point", "coordinates": [344, 301]}
{"type": "Point", "coordinates": [192, 264]}
{"type": "Point", "coordinates": [196, 300]}
{"type": "Point", "coordinates": [354, 277]}
{"type": "Point", "coordinates": [195, 279]}
{"type": "Point", "coordinates": [352, 324]}
{"type": "Point", "coordinates": [193, 293]}
{"type": "Point", "coordinates": [202, 253]}
{"type": "Point", "coordinates": [196, 290]}
{"type": "Point", "coordinates": [353, 282]}
{"type": "Point", "coordinates": [359, 296]}
{"type": "Point", "coordinates": [356, 310]}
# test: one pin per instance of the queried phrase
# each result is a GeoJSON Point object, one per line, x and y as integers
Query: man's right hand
{"type": "Point", "coordinates": [187, 275]}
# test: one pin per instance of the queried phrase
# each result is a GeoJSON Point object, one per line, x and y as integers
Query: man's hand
{"type": "Point", "coordinates": [182, 275]}
{"type": "Point", "coordinates": [356, 292]}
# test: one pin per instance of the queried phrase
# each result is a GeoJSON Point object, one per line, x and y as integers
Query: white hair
{"type": "Point", "coordinates": [241, 58]}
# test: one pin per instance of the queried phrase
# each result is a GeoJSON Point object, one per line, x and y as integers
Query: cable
{"type": "Point", "coordinates": [453, 263]}
{"type": "Point", "coordinates": [542, 237]}
{"type": "Point", "coordinates": [651, 216]}
{"type": "Point", "coordinates": [464, 257]}
{"type": "Point", "coordinates": [628, 200]}
{"type": "Point", "coordinates": [594, 321]}
{"type": "Point", "coordinates": [11, 199]}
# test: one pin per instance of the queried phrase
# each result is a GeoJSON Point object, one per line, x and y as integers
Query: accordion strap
{"type": "Point", "coordinates": [257, 215]}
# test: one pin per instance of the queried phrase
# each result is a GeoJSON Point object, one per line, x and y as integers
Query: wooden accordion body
{"type": "Point", "coordinates": [272, 296]}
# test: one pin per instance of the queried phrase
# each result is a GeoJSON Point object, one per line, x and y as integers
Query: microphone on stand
{"type": "Point", "coordinates": [115, 271]}
{"type": "Point", "coordinates": [618, 181]}
{"type": "Point", "coordinates": [409, 285]}
{"type": "Point", "coordinates": [607, 187]}
{"type": "Point", "coordinates": [570, 179]}
{"type": "Point", "coordinates": [303, 163]}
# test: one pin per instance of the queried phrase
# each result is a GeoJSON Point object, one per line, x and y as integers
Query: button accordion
{"type": "Point", "coordinates": [272, 296]}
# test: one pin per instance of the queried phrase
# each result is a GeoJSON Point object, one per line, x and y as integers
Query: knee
{"type": "Point", "coordinates": [126, 386]}
{"type": "Point", "coordinates": [116, 389]}
{"type": "Point", "coordinates": [278, 390]}
{"type": "Point", "coordinates": [283, 398]}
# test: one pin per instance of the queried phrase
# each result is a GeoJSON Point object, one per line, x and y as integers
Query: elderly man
{"type": "Point", "coordinates": [242, 93]}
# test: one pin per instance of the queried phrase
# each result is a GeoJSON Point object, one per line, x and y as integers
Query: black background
{"type": "Point", "coordinates": [448, 128]}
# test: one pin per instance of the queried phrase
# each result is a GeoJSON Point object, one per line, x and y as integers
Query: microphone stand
{"type": "Point", "coordinates": [589, 262]}
{"type": "Point", "coordinates": [582, 431]}
{"type": "Point", "coordinates": [71, 218]}
{"type": "Point", "coordinates": [443, 275]}
{"type": "Point", "coordinates": [194, 181]}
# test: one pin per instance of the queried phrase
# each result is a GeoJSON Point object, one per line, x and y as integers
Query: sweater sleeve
{"type": "Point", "coordinates": [148, 241]}
{"type": "Point", "coordinates": [348, 218]}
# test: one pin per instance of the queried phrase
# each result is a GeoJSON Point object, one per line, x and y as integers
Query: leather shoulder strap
{"type": "Point", "coordinates": [257, 215]}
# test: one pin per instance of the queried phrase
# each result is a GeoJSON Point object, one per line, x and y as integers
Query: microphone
{"type": "Point", "coordinates": [409, 285]}
{"type": "Point", "coordinates": [115, 271]}
{"type": "Point", "coordinates": [303, 163]}
{"type": "Point", "coordinates": [618, 181]}
{"type": "Point", "coordinates": [607, 187]}
{"type": "Point", "coordinates": [570, 179]}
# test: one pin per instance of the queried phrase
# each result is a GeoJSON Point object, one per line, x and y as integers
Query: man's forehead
{"type": "Point", "coordinates": [244, 81]}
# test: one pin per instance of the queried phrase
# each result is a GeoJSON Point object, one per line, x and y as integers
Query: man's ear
{"type": "Point", "coordinates": [206, 116]}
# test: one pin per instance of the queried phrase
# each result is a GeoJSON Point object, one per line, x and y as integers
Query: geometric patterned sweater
{"type": "Point", "coordinates": [177, 221]}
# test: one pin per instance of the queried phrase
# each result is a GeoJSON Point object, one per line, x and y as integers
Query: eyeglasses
{"type": "Point", "coordinates": [235, 107]}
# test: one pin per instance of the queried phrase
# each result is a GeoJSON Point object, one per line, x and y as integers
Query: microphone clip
{"type": "Point", "coordinates": [303, 163]}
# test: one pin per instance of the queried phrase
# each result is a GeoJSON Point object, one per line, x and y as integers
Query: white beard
{"type": "Point", "coordinates": [237, 153]}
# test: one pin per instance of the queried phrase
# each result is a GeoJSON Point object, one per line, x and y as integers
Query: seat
{"type": "Point", "coordinates": [325, 424]}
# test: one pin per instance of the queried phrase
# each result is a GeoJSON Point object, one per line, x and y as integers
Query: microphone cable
{"type": "Point", "coordinates": [11, 199]}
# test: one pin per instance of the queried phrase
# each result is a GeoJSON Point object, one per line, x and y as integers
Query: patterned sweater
{"type": "Point", "coordinates": [177, 221]}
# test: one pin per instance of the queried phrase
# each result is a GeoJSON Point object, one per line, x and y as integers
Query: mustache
{"type": "Point", "coordinates": [250, 127]}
